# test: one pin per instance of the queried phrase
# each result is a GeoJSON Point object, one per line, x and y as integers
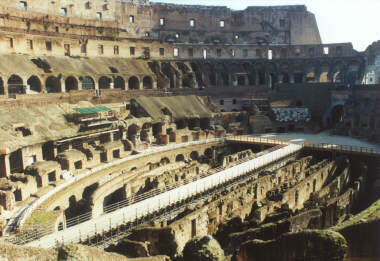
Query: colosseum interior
{"type": "Point", "coordinates": [132, 130]}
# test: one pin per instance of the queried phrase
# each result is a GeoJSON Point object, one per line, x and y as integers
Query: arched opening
{"type": "Point", "coordinates": [337, 114]}
{"type": "Point", "coordinates": [324, 73]}
{"type": "Point", "coordinates": [132, 131]}
{"type": "Point", "coordinates": [15, 85]}
{"type": "Point", "coordinates": [104, 82]}
{"type": "Point", "coordinates": [53, 85]}
{"type": "Point", "coordinates": [71, 84]}
{"type": "Point", "coordinates": [194, 155]}
{"type": "Point", "coordinates": [2, 92]}
{"type": "Point", "coordinates": [119, 83]}
{"type": "Point", "coordinates": [116, 196]}
{"type": "Point", "coordinates": [208, 153]}
{"type": "Point", "coordinates": [147, 82]}
{"type": "Point", "coordinates": [133, 83]}
{"type": "Point", "coordinates": [88, 83]}
{"type": "Point", "coordinates": [179, 157]}
{"type": "Point", "coordinates": [34, 84]}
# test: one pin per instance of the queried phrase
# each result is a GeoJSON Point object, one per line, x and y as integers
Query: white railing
{"type": "Point", "coordinates": [26, 211]}
{"type": "Point", "coordinates": [146, 206]}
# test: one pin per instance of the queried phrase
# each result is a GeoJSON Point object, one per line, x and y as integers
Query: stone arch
{"type": "Point", "coordinates": [53, 85]}
{"type": "Point", "coordinates": [194, 155]}
{"type": "Point", "coordinates": [338, 73]}
{"type": "Point", "coordinates": [164, 161]}
{"type": "Point", "coordinates": [105, 82]}
{"type": "Point", "coordinates": [133, 83]}
{"type": "Point", "coordinates": [133, 130]}
{"type": "Point", "coordinates": [15, 84]}
{"type": "Point", "coordinates": [336, 114]}
{"type": "Point", "coordinates": [310, 73]}
{"type": "Point", "coordinates": [88, 83]}
{"type": "Point", "coordinates": [179, 157]}
{"type": "Point", "coordinates": [208, 152]}
{"type": "Point", "coordinates": [71, 84]}
{"type": "Point", "coordinates": [34, 83]}
{"type": "Point", "coordinates": [147, 82]}
{"type": "Point", "coordinates": [324, 73]}
{"type": "Point", "coordinates": [119, 83]}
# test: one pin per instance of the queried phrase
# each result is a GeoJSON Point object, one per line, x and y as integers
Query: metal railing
{"type": "Point", "coordinates": [342, 148]}
{"type": "Point", "coordinates": [111, 208]}
{"type": "Point", "coordinates": [27, 211]}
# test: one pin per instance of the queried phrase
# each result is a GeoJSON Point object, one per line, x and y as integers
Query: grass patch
{"type": "Point", "coordinates": [369, 214]}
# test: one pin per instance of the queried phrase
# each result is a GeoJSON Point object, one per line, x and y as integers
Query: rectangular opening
{"type": "Point", "coordinates": [87, 5]}
{"type": "Point", "coordinates": [162, 21]}
{"type": "Point", "coordinates": [116, 154]}
{"type": "Point", "coordinates": [282, 22]}
{"type": "Point", "coordinates": [258, 53]}
{"type": "Point", "coordinates": [219, 52]}
{"type": "Point", "coordinates": [99, 15]}
{"type": "Point", "coordinates": [67, 49]}
{"type": "Point", "coordinates": [30, 44]}
{"type": "Point", "coordinates": [63, 11]}
{"type": "Point", "coordinates": [57, 29]}
{"type": "Point", "coordinates": [23, 5]}
{"type": "Point", "coordinates": [146, 52]}
{"type": "Point", "coordinates": [10, 40]}
{"type": "Point", "coordinates": [103, 157]}
{"type": "Point", "coordinates": [175, 52]}
{"type": "Point", "coordinates": [51, 176]}
{"type": "Point", "coordinates": [78, 164]}
{"type": "Point", "coordinates": [221, 24]}
{"type": "Point", "coordinates": [83, 48]}
{"type": "Point", "coordinates": [32, 159]}
{"type": "Point", "coordinates": [232, 52]}
{"type": "Point", "coordinates": [132, 50]}
{"type": "Point", "coordinates": [116, 50]}
{"type": "Point", "coordinates": [162, 51]}
{"type": "Point", "coordinates": [105, 7]}
{"type": "Point", "coordinates": [193, 228]}
{"type": "Point", "coordinates": [270, 54]}
{"type": "Point", "coordinates": [326, 50]}
{"type": "Point", "coordinates": [48, 45]}
{"type": "Point", "coordinates": [204, 54]}
{"type": "Point", "coordinates": [100, 49]}
{"type": "Point", "coordinates": [192, 23]}
{"type": "Point", "coordinates": [191, 52]}
{"type": "Point", "coordinates": [131, 19]}
{"type": "Point", "coordinates": [245, 52]}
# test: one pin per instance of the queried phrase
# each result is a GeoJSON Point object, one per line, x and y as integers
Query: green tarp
{"type": "Point", "coordinates": [90, 110]}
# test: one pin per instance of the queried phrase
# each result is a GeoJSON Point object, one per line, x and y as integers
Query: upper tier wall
{"type": "Point", "coordinates": [177, 23]}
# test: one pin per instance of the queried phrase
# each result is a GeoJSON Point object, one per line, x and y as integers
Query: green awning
{"type": "Point", "coordinates": [91, 110]}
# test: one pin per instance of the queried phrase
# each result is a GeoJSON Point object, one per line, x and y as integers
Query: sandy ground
{"type": "Point", "coordinates": [322, 137]}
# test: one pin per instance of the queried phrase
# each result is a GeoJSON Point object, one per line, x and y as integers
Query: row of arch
{"type": "Point", "coordinates": [249, 73]}
{"type": "Point", "coordinates": [53, 84]}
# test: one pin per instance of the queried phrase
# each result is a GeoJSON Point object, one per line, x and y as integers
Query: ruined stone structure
{"type": "Point", "coordinates": [105, 104]}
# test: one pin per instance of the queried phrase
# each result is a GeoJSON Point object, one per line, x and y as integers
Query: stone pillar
{"type": "Point", "coordinates": [112, 85]}
{"type": "Point", "coordinates": [6, 88]}
{"type": "Point", "coordinates": [27, 89]}
{"type": "Point", "coordinates": [246, 81]}
{"type": "Point", "coordinates": [141, 84]}
{"type": "Point", "coordinates": [7, 166]}
{"type": "Point", "coordinates": [63, 85]}
{"type": "Point", "coordinates": [257, 78]}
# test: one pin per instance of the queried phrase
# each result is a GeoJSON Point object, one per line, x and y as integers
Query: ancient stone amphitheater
{"type": "Point", "coordinates": [132, 130]}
